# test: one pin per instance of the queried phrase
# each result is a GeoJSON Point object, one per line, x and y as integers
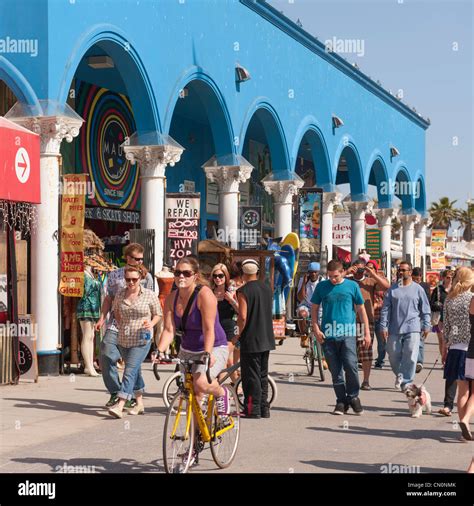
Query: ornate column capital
{"type": "Point", "coordinates": [386, 215]}
{"type": "Point", "coordinates": [228, 177]}
{"type": "Point", "coordinates": [422, 222]}
{"type": "Point", "coordinates": [330, 200]}
{"type": "Point", "coordinates": [52, 130]}
{"type": "Point", "coordinates": [283, 191]}
{"type": "Point", "coordinates": [408, 220]}
{"type": "Point", "coordinates": [153, 159]}
{"type": "Point", "coordinates": [358, 210]}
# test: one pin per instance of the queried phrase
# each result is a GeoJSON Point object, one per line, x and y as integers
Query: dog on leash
{"type": "Point", "coordinates": [419, 400]}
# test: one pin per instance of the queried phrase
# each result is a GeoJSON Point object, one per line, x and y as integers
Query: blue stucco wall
{"type": "Point", "coordinates": [159, 46]}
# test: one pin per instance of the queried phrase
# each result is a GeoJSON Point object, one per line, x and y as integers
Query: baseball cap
{"type": "Point", "coordinates": [314, 266]}
{"type": "Point", "coordinates": [250, 266]}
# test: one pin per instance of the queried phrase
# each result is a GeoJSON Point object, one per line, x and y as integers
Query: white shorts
{"type": "Point", "coordinates": [221, 354]}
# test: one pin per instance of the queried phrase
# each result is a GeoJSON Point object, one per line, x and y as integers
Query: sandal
{"type": "Point", "coordinates": [445, 412]}
{"type": "Point", "coordinates": [466, 433]}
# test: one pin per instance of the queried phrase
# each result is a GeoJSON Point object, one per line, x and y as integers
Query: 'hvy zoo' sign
{"type": "Point", "coordinates": [182, 225]}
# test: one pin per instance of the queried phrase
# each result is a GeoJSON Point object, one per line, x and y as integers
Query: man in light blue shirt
{"type": "Point", "coordinates": [405, 315]}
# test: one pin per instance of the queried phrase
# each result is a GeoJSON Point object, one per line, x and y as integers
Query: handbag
{"type": "Point", "coordinates": [437, 305]}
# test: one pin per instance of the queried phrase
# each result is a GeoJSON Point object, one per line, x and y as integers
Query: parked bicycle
{"type": "Point", "coordinates": [189, 426]}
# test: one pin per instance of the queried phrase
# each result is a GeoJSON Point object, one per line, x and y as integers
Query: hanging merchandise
{"type": "Point", "coordinates": [20, 216]}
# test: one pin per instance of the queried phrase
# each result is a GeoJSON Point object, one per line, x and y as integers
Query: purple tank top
{"type": "Point", "coordinates": [193, 338]}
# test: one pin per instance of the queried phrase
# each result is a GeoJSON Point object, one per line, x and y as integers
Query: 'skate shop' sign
{"type": "Point", "coordinates": [182, 214]}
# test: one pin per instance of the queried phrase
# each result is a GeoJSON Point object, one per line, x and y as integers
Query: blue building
{"type": "Point", "coordinates": [224, 78]}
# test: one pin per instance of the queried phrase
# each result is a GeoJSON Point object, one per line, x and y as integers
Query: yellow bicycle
{"type": "Point", "coordinates": [188, 426]}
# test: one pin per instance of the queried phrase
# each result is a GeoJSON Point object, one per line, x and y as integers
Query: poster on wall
{"type": "Point", "coordinates": [438, 246]}
{"type": "Point", "coordinates": [372, 243]}
{"type": "Point", "coordinates": [28, 359]}
{"type": "Point", "coordinates": [309, 205]}
{"type": "Point", "coordinates": [71, 281]}
{"type": "Point", "coordinates": [417, 260]}
{"type": "Point", "coordinates": [259, 157]}
{"type": "Point", "coordinates": [212, 197]}
{"type": "Point", "coordinates": [250, 227]}
{"type": "Point", "coordinates": [108, 122]}
{"type": "Point", "coordinates": [182, 215]}
{"type": "Point", "coordinates": [341, 229]}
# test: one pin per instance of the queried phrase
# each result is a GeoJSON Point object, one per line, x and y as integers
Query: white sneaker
{"type": "Point", "coordinates": [398, 382]}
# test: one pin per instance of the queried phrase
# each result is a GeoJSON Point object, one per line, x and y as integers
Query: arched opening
{"type": "Point", "coordinates": [265, 148]}
{"type": "Point", "coordinates": [109, 91]}
{"type": "Point", "coordinates": [200, 124]}
{"type": "Point", "coordinates": [404, 190]}
{"type": "Point", "coordinates": [420, 196]}
{"type": "Point", "coordinates": [379, 188]}
{"type": "Point", "coordinates": [349, 175]}
{"type": "Point", "coordinates": [311, 162]}
{"type": "Point", "coordinates": [7, 98]}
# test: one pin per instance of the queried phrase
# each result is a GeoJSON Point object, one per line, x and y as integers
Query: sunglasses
{"type": "Point", "coordinates": [403, 270]}
{"type": "Point", "coordinates": [131, 280]}
{"type": "Point", "coordinates": [139, 259]}
{"type": "Point", "coordinates": [220, 276]}
{"type": "Point", "coordinates": [186, 274]}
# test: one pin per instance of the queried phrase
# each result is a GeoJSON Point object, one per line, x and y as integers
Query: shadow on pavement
{"type": "Point", "coordinates": [443, 436]}
{"type": "Point", "coordinates": [88, 465]}
{"type": "Point", "coordinates": [357, 467]}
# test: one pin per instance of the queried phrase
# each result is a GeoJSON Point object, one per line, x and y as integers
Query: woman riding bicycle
{"type": "Point", "coordinates": [201, 330]}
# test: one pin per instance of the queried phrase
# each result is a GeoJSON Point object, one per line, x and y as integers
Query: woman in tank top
{"type": "Point", "coordinates": [201, 332]}
{"type": "Point", "coordinates": [469, 374]}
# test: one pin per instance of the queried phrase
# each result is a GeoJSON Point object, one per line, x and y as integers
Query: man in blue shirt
{"type": "Point", "coordinates": [404, 316]}
{"type": "Point", "coordinates": [338, 333]}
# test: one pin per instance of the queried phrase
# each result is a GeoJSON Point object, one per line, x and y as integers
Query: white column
{"type": "Point", "coordinates": [45, 237]}
{"type": "Point", "coordinates": [152, 162]}
{"type": "Point", "coordinates": [408, 224]}
{"type": "Point", "coordinates": [358, 211]}
{"type": "Point", "coordinates": [385, 217]}
{"type": "Point", "coordinates": [283, 192]}
{"type": "Point", "coordinates": [421, 225]}
{"type": "Point", "coordinates": [330, 200]}
{"type": "Point", "coordinates": [228, 179]}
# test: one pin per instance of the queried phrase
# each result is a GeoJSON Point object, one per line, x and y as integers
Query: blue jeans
{"type": "Point", "coordinates": [109, 355]}
{"type": "Point", "coordinates": [341, 357]}
{"type": "Point", "coordinates": [402, 352]}
{"type": "Point", "coordinates": [381, 351]}
{"type": "Point", "coordinates": [421, 352]}
{"type": "Point", "coordinates": [132, 380]}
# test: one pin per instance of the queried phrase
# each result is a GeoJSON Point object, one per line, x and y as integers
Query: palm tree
{"type": "Point", "coordinates": [466, 218]}
{"type": "Point", "coordinates": [443, 213]}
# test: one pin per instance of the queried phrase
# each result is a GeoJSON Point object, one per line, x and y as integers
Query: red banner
{"type": "Point", "coordinates": [19, 163]}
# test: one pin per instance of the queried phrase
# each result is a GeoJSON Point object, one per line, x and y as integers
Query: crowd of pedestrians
{"type": "Point", "coordinates": [228, 315]}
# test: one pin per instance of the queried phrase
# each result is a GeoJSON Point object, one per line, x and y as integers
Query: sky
{"type": "Point", "coordinates": [426, 49]}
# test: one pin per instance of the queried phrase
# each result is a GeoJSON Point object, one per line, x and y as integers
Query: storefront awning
{"type": "Point", "coordinates": [19, 163]}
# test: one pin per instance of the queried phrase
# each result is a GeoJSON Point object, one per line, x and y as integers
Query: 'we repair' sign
{"type": "Point", "coordinates": [182, 212]}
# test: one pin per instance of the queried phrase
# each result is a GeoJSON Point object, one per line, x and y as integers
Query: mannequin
{"type": "Point", "coordinates": [88, 312]}
{"type": "Point", "coordinates": [165, 283]}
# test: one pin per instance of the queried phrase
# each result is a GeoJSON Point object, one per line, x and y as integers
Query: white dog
{"type": "Point", "coordinates": [419, 399]}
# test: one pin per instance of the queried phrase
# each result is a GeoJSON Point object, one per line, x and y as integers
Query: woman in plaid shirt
{"type": "Point", "coordinates": [137, 310]}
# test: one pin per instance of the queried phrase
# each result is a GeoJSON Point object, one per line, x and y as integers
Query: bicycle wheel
{"type": "Point", "coordinates": [171, 387]}
{"type": "Point", "coordinates": [272, 391]}
{"type": "Point", "coordinates": [309, 356]}
{"type": "Point", "coordinates": [178, 436]}
{"type": "Point", "coordinates": [319, 354]}
{"type": "Point", "coordinates": [225, 432]}
{"type": "Point", "coordinates": [156, 373]}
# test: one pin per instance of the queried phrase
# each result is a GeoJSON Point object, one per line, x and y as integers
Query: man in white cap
{"type": "Point", "coordinates": [256, 339]}
{"type": "Point", "coordinates": [306, 287]}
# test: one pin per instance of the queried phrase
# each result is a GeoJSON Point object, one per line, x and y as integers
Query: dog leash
{"type": "Point", "coordinates": [436, 361]}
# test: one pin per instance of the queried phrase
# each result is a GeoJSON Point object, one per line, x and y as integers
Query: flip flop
{"type": "Point", "coordinates": [466, 433]}
{"type": "Point", "coordinates": [445, 412]}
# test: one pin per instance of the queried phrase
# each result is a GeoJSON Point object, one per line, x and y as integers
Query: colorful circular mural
{"type": "Point", "coordinates": [108, 122]}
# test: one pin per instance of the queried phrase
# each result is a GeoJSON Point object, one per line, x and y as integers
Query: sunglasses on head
{"type": "Point", "coordinates": [219, 276]}
{"type": "Point", "coordinates": [131, 280]}
{"type": "Point", "coordinates": [186, 274]}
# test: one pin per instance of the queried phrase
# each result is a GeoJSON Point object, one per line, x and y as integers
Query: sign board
{"type": "Point", "coordinates": [417, 259]}
{"type": "Point", "coordinates": [438, 245]}
{"type": "Point", "coordinates": [28, 360]}
{"type": "Point", "coordinates": [182, 215]}
{"type": "Point", "coordinates": [212, 197]}
{"type": "Point", "coordinates": [341, 229]}
{"type": "Point", "coordinates": [71, 282]}
{"type": "Point", "coordinates": [20, 163]}
{"type": "Point", "coordinates": [117, 215]}
{"type": "Point", "coordinates": [250, 227]}
{"type": "Point", "coordinates": [189, 186]}
{"type": "Point", "coordinates": [309, 205]}
{"type": "Point", "coordinates": [372, 242]}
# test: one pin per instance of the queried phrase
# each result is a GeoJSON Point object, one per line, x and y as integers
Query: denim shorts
{"type": "Point", "coordinates": [221, 354]}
